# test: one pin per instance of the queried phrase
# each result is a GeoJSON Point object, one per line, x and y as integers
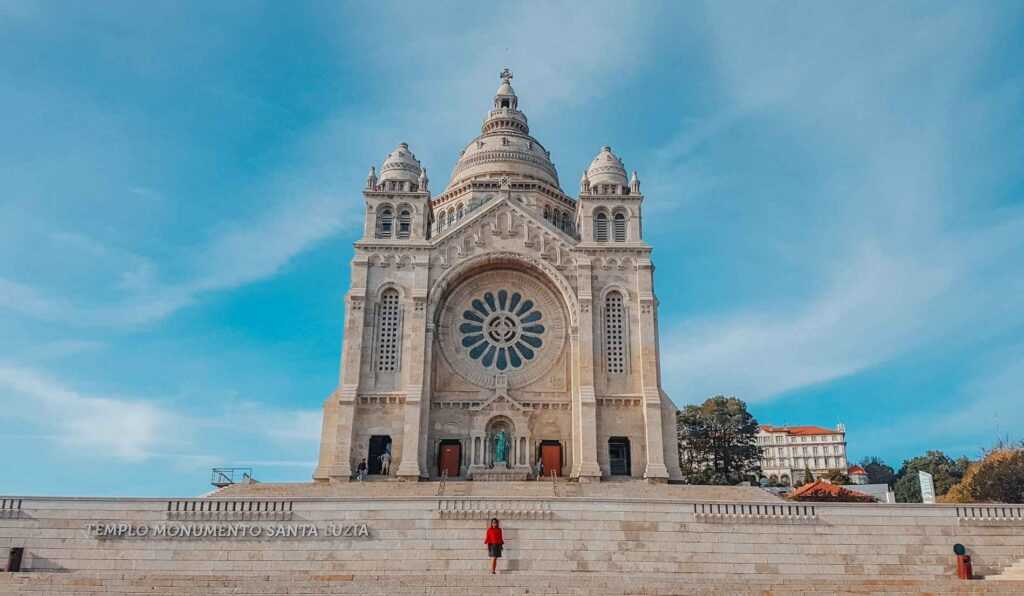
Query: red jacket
{"type": "Point", "coordinates": [494, 536]}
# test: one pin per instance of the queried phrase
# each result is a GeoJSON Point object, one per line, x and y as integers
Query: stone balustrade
{"type": "Point", "coordinates": [230, 510]}
{"type": "Point", "coordinates": [995, 513]}
{"type": "Point", "coordinates": [772, 512]}
{"type": "Point", "coordinates": [10, 508]}
{"type": "Point", "coordinates": [501, 508]}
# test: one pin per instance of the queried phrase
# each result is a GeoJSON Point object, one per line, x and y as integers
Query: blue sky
{"type": "Point", "coordinates": [834, 194]}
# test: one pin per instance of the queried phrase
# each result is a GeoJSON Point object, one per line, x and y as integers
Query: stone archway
{"type": "Point", "coordinates": [496, 260]}
{"type": "Point", "coordinates": [502, 415]}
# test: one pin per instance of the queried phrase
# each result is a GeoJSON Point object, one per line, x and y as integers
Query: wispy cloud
{"type": "Point", "coordinates": [892, 262]}
{"type": "Point", "coordinates": [237, 255]}
{"type": "Point", "coordinates": [981, 411]}
{"type": "Point", "coordinates": [136, 429]}
{"type": "Point", "coordinates": [121, 428]}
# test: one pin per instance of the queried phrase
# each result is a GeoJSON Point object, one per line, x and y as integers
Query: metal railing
{"type": "Point", "coordinates": [221, 477]}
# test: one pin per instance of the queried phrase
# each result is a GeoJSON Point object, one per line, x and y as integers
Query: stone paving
{"type": "Point", "coordinates": [624, 489]}
{"type": "Point", "coordinates": [472, 584]}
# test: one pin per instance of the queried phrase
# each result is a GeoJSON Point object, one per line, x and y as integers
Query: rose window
{"type": "Point", "coordinates": [502, 330]}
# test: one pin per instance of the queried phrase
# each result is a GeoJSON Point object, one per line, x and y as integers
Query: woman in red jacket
{"type": "Point", "coordinates": [494, 542]}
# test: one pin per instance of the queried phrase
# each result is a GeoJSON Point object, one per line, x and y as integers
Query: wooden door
{"type": "Point", "coordinates": [551, 458]}
{"type": "Point", "coordinates": [449, 458]}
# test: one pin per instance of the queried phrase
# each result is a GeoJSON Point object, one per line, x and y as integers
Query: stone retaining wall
{"type": "Point", "coordinates": [445, 534]}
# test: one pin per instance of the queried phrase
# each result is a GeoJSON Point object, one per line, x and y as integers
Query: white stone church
{"type": "Point", "coordinates": [501, 328]}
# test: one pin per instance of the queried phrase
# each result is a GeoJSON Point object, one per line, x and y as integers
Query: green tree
{"type": "Point", "coordinates": [878, 471]}
{"type": "Point", "coordinates": [717, 442]}
{"type": "Point", "coordinates": [808, 476]}
{"type": "Point", "coordinates": [997, 478]}
{"type": "Point", "coordinates": [945, 473]}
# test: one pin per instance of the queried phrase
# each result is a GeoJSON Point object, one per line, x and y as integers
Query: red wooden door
{"type": "Point", "coordinates": [551, 457]}
{"type": "Point", "coordinates": [449, 459]}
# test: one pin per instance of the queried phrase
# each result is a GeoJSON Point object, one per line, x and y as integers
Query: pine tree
{"type": "Point", "coordinates": [717, 442]}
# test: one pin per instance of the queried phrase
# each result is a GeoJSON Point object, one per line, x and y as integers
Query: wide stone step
{"type": "Point", "coordinates": [590, 584]}
{"type": "Point", "coordinates": [1013, 572]}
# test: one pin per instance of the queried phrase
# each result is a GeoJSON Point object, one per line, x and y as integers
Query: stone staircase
{"type": "Point", "coordinates": [568, 544]}
{"type": "Point", "coordinates": [1014, 572]}
{"type": "Point", "coordinates": [470, 584]}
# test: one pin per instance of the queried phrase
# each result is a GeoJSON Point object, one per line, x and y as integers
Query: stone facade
{"type": "Point", "coordinates": [502, 310]}
{"type": "Point", "coordinates": [787, 451]}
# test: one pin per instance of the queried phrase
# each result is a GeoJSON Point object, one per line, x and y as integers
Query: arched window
{"type": "Point", "coordinates": [601, 228]}
{"type": "Point", "coordinates": [459, 215]}
{"type": "Point", "coordinates": [389, 331]}
{"type": "Point", "coordinates": [614, 334]}
{"type": "Point", "coordinates": [620, 227]}
{"type": "Point", "coordinates": [404, 223]}
{"type": "Point", "coordinates": [385, 220]}
{"type": "Point", "coordinates": [547, 213]}
{"type": "Point", "coordinates": [451, 217]}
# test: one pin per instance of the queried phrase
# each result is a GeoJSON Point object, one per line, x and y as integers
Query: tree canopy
{"type": "Point", "coordinates": [997, 478]}
{"type": "Point", "coordinates": [945, 473]}
{"type": "Point", "coordinates": [878, 471]}
{"type": "Point", "coordinates": [717, 442]}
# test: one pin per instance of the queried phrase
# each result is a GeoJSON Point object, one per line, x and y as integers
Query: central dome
{"type": "Point", "coordinates": [505, 147]}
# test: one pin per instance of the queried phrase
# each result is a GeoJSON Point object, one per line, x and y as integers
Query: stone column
{"type": "Point", "coordinates": [416, 392]}
{"type": "Point", "coordinates": [585, 409]}
{"type": "Point", "coordinates": [335, 463]}
{"type": "Point", "coordinates": [649, 373]}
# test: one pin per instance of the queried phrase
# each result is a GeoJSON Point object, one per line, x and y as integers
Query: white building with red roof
{"type": "Point", "coordinates": [788, 451]}
{"type": "Point", "coordinates": [857, 474]}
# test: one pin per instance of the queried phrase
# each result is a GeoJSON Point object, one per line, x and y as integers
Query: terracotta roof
{"type": "Point", "coordinates": [823, 490]}
{"type": "Point", "coordinates": [799, 430]}
{"type": "Point", "coordinates": [856, 470]}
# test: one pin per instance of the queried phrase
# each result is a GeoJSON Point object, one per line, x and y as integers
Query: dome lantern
{"type": "Point", "coordinates": [607, 169]}
{"type": "Point", "coordinates": [505, 98]}
{"type": "Point", "coordinates": [401, 166]}
{"type": "Point", "coordinates": [504, 146]}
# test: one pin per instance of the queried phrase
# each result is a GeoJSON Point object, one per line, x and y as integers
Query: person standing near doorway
{"type": "Point", "coordinates": [361, 470]}
{"type": "Point", "coordinates": [495, 543]}
{"type": "Point", "coordinates": [385, 463]}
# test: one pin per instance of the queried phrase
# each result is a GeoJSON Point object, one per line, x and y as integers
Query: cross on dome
{"type": "Point", "coordinates": [506, 75]}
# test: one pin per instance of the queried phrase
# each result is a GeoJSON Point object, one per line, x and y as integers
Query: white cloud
{"type": "Point", "coordinates": [29, 301]}
{"type": "Point", "coordinates": [883, 231]}
{"type": "Point", "coordinates": [871, 310]}
{"type": "Point", "coordinates": [983, 410]}
{"type": "Point", "coordinates": [285, 427]}
{"type": "Point", "coordinates": [121, 428]}
{"type": "Point", "coordinates": [240, 254]}
{"type": "Point", "coordinates": [135, 429]}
